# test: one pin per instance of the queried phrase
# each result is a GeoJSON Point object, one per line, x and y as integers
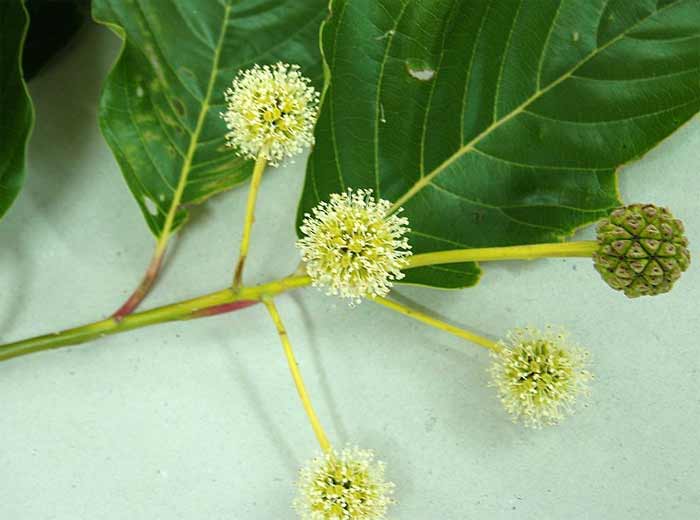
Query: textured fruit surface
{"type": "Point", "coordinates": [642, 250]}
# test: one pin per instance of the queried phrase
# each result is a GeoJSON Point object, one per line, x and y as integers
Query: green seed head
{"type": "Point", "coordinates": [642, 250]}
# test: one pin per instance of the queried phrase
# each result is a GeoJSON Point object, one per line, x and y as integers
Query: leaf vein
{"type": "Point", "coordinates": [632, 80]}
{"type": "Point", "coordinates": [186, 165]}
{"type": "Point", "coordinates": [503, 61]}
{"type": "Point", "coordinates": [331, 106]}
{"type": "Point", "coordinates": [432, 90]}
{"type": "Point", "coordinates": [545, 47]}
{"type": "Point", "coordinates": [195, 95]}
{"type": "Point", "coordinates": [377, 112]}
{"type": "Point", "coordinates": [611, 121]}
{"type": "Point", "coordinates": [500, 209]}
{"type": "Point", "coordinates": [469, 72]}
{"type": "Point", "coordinates": [537, 166]}
{"type": "Point", "coordinates": [421, 183]}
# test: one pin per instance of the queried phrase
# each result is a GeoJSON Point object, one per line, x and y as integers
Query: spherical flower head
{"type": "Point", "coordinates": [270, 110]}
{"type": "Point", "coordinates": [539, 375]}
{"type": "Point", "coordinates": [348, 485]}
{"type": "Point", "coordinates": [642, 250]}
{"type": "Point", "coordinates": [353, 247]}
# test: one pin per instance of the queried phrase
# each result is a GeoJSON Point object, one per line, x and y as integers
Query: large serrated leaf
{"type": "Point", "coordinates": [160, 106]}
{"type": "Point", "coordinates": [16, 113]}
{"type": "Point", "coordinates": [498, 122]}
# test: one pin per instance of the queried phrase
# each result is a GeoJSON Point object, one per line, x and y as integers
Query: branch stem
{"type": "Point", "coordinates": [232, 299]}
{"type": "Point", "coordinates": [258, 170]}
{"type": "Point", "coordinates": [296, 376]}
{"type": "Point", "coordinates": [581, 248]}
{"type": "Point", "coordinates": [438, 324]}
{"type": "Point", "coordinates": [226, 300]}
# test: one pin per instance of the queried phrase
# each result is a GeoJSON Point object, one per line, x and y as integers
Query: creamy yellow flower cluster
{"type": "Point", "coordinates": [270, 110]}
{"type": "Point", "coordinates": [355, 246]}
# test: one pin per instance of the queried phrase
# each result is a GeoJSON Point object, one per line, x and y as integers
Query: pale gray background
{"type": "Point", "coordinates": [200, 420]}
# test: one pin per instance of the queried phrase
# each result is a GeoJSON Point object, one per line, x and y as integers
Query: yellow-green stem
{"type": "Point", "coordinates": [438, 324]}
{"type": "Point", "coordinates": [221, 301]}
{"type": "Point", "coordinates": [258, 170]}
{"type": "Point", "coordinates": [296, 376]}
{"type": "Point", "coordinates": [195, 308]}
{"type": "Point", "coordinates": [582, 248]}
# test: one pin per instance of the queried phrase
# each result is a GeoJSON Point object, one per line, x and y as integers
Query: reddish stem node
{"type": "Point", "coordinates": [142, 290]}
{"type": "Point", "coordinates": [223, 308]}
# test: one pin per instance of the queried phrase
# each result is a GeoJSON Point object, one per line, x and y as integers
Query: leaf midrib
{"type": "Point", "coordinates": [194, 138]}
{"type": "Point", "coordinates": [468, 147]}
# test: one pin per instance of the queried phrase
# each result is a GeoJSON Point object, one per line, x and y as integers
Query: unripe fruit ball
{"type": "Point", "coordinates": [642, 250]}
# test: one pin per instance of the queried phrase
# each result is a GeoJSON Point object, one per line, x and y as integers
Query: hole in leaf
{"type": "Point", "coordinates": [150, 206]}
{"type": "Point", "coordinates": [419, 69]}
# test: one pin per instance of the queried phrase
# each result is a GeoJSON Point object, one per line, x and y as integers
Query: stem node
{"type": "Point", "coordinates": [143, 288]}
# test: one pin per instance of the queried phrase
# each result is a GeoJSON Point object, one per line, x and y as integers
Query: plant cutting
{"type": "Point", "coordinates": [442, 138]}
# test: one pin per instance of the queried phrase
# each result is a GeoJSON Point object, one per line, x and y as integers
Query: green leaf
{"type": "Point", "coordinates": [16, 113]}
{"type": "Point", "coordinates": [498, 122]}
{"type": "Point", "coordinates": [160, 106]}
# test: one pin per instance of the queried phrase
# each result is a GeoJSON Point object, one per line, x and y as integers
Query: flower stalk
{"type": "Point", "coordinates": [258, 170]}
{"type": "Point", "coordinates": [438, 324]}
{"type": "Point", "coordinates": [296, 376]}
{"type": "Point", "coordinates": [581, 248]}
